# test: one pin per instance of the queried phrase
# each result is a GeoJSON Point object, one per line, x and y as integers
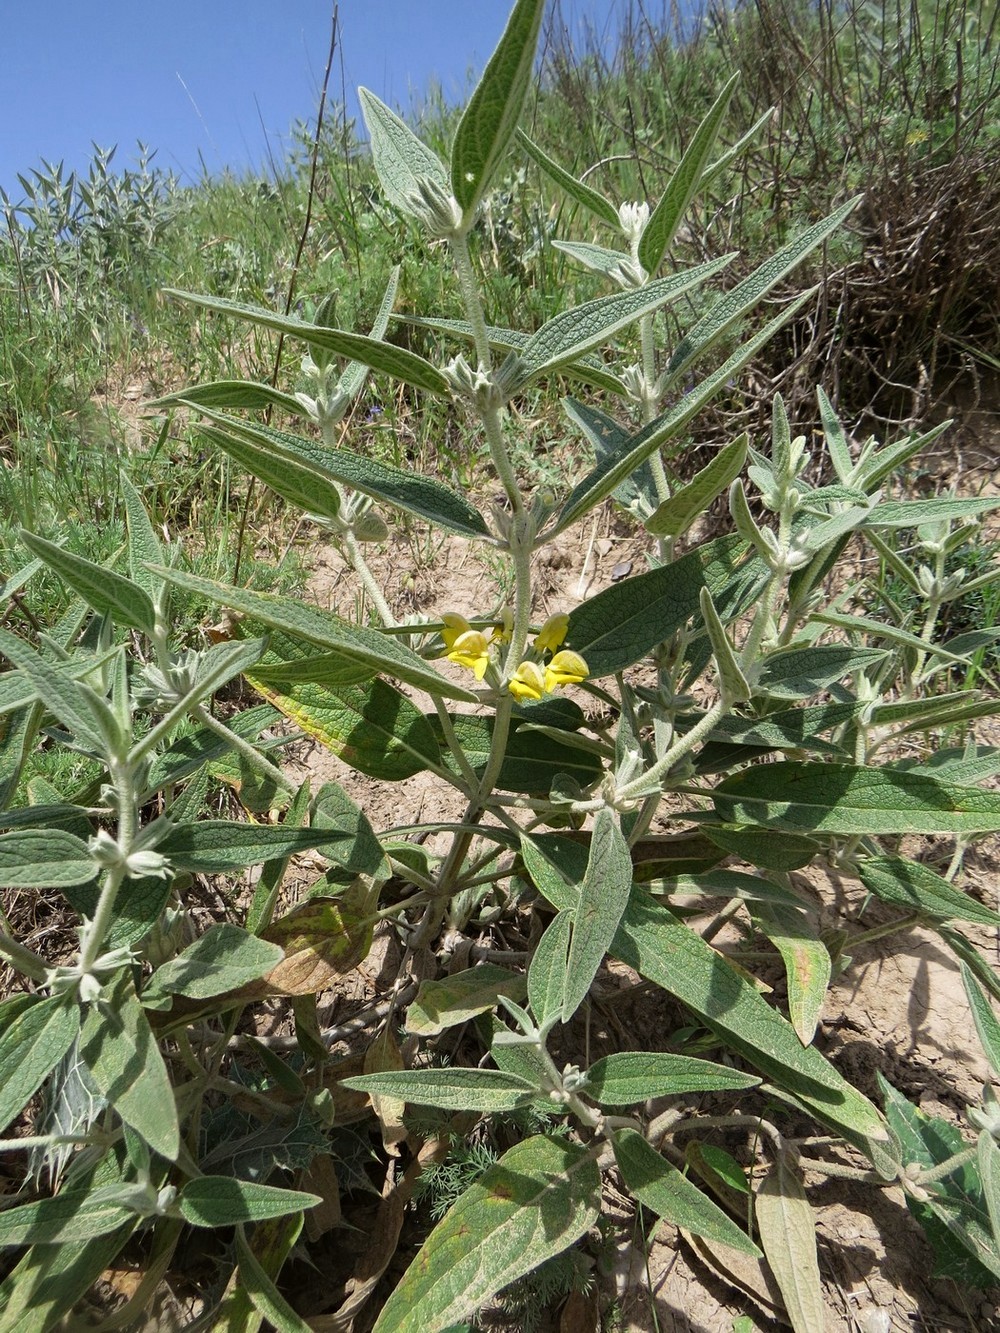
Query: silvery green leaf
{"type": "Point", "coordinates": [493, 110]}
{"type": "Point", "coordinates": [399, 157]}
{"type": "Point", "coordinates": [257, 1286]}
{"type": "Point", "coordinates": [538, 1199]}
{"type": "Point", "coordinates": [836, 439]}
{"type": "Point", "coordinates": [873, 470]}
{"type": "Point", "coordinates": [219, 663]}
{"type": "Point", "coordinates": [576, 189]}
{"type": "Point", "coordinates": [44, 858]}
{"type": "Point", "coordinates": [732, 682]}
{"type": "Point", "coordinates": [746, 294]}
{"type": "Point", "coordinates": [391, 360]}
{"type": "Point", "coordinates": [31, 1045]}
{"type": "Point", "coordinates": [460, 997]}
{"type": "Point", "coordinates": [215, 846]}
{"type": "Point", "coordinates": [547, 970]}
{"type": "Point", "coordinates": [659, 1185]}
{"type": "Point", "coordinates": [143, 544]}
{"type": "Point", "coordinates": [987, 1024]}
{"type": "Point", "coordinates": [223, 959]}
{"type": "Point", "coordinates": [451, 1089]}
{"type": "Point", "coordinates": [12, 583]}
{"type": "Point", "coordinates": [324, 629]}
{"type": "Point", "coordinates": [222, 1201]}
{"type": "Point", "coordinates": [891, 633]}
{"type": "Point", "coordinates": [911, 884]}
{"type": "Point", "coordinates": [107, 592]}
{"type": "Point", "coordinates": [615, 467]}
{"type": "Point", "coordinates": [666, 216]}
{"type": "Point", "coordinates": [73, 1216]}
{"type": "Point", "coordinates": [911, 513]}
{"type": "Point", "coordinates": [572, 333]}
{"type": "Point", "coordinates": [787, 1229]}
{"type": "Point", "coordinates": [676, 514]}
{"type": "Point", "coordinates": [604, 894]}
{"type": "Point", "coordinates": [598, 258]}
{"type": "Point", "coordinates": [799, 673]}
{"type": "Point", "coordinates": [807, 964]}
{"type": "Point", "coordinates": [301, 468]}
{"type": "Point", "coordinates": [634, 1076]}
{"type": "Point", "coordinates": [720, 163]}
{"type": "Point", "coordinates": [229, 394]}
{"type": "Point", "coordinates": [118, 1047]}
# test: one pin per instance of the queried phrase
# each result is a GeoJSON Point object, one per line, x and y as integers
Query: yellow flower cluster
{"type": "Point", "coordinates": [535, 677]}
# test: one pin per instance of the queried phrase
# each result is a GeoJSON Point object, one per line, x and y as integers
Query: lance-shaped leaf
{"type": "Point", "coordinates": [73, 1216]}
{"type": "Point", "coordinates": [634, 1076]}
{"type": "Point", "coordinates": [535, 1202]}
{"type": "Point", "coordinates": [44, 858]}
{"type": "Point", "coordinates": [911, 513]}
{"type": "Point", "coordinates": [328, 631]}
{"type": "Point", "coordinates": [675, 515]}
{"type": "Point", "coordinates": [385, 357]}
{"type": "Point", "coordinates": [787, 1229]}
{"type": "Point", "coordinates": [106, 591]}
{"type": "Point", "coordinates": [50, 1279]}
{"type": "Point", "coordinates": [214, 846]}
{"type": "Point", "coordinates": [666, 216]}
{"type": "Point", "coordinates": [76, 706]}
{"type": "Point", "coordinates": [844, 798]}
{"type": "Point", "coordinates": [118, 1047]}
{"type": "Point", "coordinates": [353, 379]}
{"type": "Point", "coordinates": [264, 450]}
{"type": "Point", "coordinates": [547, 971]}
{"type": "Point", "coordinates": [576, 189]}
{"type": "Point", "coordinates": [911, 884]}
{"type": "Point", "coordinates": [986, 1021]}
{"type": "Point", "coordinates": [221, 1201]}
{"type": "Point", "coordinates": [799, 673]}
{"type": "Point", "coordinates": [807, 964]}
{"type": "Point", "coordinates": [746, 294]}
{"type": "Point", "coordinates": [223, 959]}
{"type": "Point", "coordinates": [144, 547]}
{"type": "Point", "coordinates": [659, 1185]}
{"type": "Point", "coordinates": [491, 116]}
{"type": "Point", "coordinates": [401, 160]}
{"type": "Point", "coordinates": [612, 469]}
{"type": "Point", "coordinates": [254, 1285]}
{"type": "Point", "coordinates": [598, 258]}
{"type": "Point", "coordinates": [300, 485]}
{"type": "Point", "coordinates": [572, 333]}
{"type": "Point", "coordinates": [604, 894]}
{"type": "Point", "coordinates": [32, 1043]}
{"type": "Point", "coordinates": [458, 998]}
{"type": "Point", "coordinates": [230, 394]}
{"type": "Point", "coordinates": [450, 1089]}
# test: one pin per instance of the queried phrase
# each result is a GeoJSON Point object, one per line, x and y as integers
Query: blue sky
{"type": "Point", "coordinates": [220, 82]}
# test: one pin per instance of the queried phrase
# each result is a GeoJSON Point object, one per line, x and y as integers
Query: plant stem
{"type": "Point", "coordinates": [242, 747]}
{"type": "Point", "coordinates": [361, 568]}
{"type": "Point", "coordinates": [470, 299]}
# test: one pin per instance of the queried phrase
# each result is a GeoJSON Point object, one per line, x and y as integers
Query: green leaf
{"type": "Point", "coordinates": [451, 1089]}
{"type": "Point", "coordinates": [491, 116]}
{"type": "Point", "coordinates": [229, 394]}
{"type": "Point", "coordinates": [842, 798]}
{"type": "Point", "coordinates": [106, 591]}
{"type": "Point", "coordinates": [799, 673]}
{"type": "Point", "coordinates": [572, 333]}
{"type": "Point", "coordinates": [547, 970]}
{"type": "Point", "coordinates": [623, 623]}
{"type": "Point", "coordinates": [311, 468]}
{"type": "Point", "coordinates": [911, 513]}
{"type": "Point", "coordinates": [373, 728]}
{"type": "Point", "coordinates": [733, 684]}
{"type": "Point", "coordinates": [144, 547]}
{"type": "Point", "coordinates": [255, 1283]}
{"type": "Point", "coordinates": [598, 258]}
{"type": "Point", "coordinates": [666, 216]}
{"type": "Point", "coordinates": [223, 959]}
{"type": "Point", "coordinates": [222, 1201]}
{"type": "Point", "coordinates": [532, 761]}
{"type": "Point", "coordinates": [399, 157]}
{"type": "Point", "coordinates": [535, 1202]}
{"type": "Point", "coordinates": [633, 1076]}
{"type": "Point", "coordinates": [73, 1216]}
{"type": "Point", "coordinates": [764, 847]}
{"type": "Point", "coordinates": [44, 858]}
{"type": "Point", "coordinates": [458, 998]}
{"type": "Point", "coordinates": [807, 964]}
{"type": "Point", "coordinates": [911, 884]}
{"type": "Point", "coordinates": [324, 629]}
{"type": "Point", "coordinates": [214, 846]}
{"type": "Point", "coordinates": [361, 852]}
{"type": "Point", "coordinates": [32, 1043]}
{"type": "Point", "coordinates": [120, 1052]}
{"type": "Point", "coordinates": [75, 705]}
{"type": "Point", "coordinates": [604, 894]}
{"type": "Point", "coordinates": [137, 909]}
{"type": "Point", "coordinates": [674, 516]}
{"type": "Point", "coordinates": [660, 1187]}
{"type": "Point", "coordinates": [746, 294]}
{"type": "Point", "coordinates": [787, 1227]}
{"type": "Point", "coordinates": [576, 189]}
{"type": "Point", "coordinates": [611, 470]}
{"type": "Point", "coordinates": [386, 357]}
{"type": "Point", "coordinates": [987, 1024]}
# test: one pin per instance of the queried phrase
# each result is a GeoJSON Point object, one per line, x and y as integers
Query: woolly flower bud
{"type": "Point", "coordinates": [633, 219]}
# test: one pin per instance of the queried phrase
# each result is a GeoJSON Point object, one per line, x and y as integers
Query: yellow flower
{"type": "Point", "coordinates": [504, 632]}
{"type": "Point", "coordinates": [527, 682]}
{"type": "Point", "coordinates": [471, 650]}
{"type": "Point", "coordinates": [454, 626]}
{"type": "Point", "coordinates": [566, 668]}
{"type": "Point", "coordinates": [552, 633]}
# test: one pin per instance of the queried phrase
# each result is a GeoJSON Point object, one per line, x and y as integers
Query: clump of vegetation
{"type": "Point", "coordinates": [696, 732]}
